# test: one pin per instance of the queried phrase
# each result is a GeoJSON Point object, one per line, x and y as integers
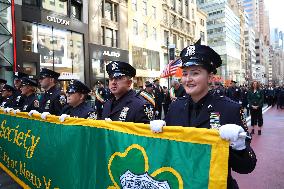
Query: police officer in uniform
{"type": "Point", "coordinates": [28, 88]}
{"type": "Point", "coordinates": [126, 104]}
{"type": "Point", "coordinates": [234, 92]}
{"type": "Point", "coordinates": [100, 98]}
{"type": "Point", "coordinates": [202, 109]}
{"type": "Point", "coordinates": [50, 99]}
{"type": "Point", "coordinates": [18, 97]}
{"type": "Point", "coordinates": [2, 83]}
{"type": "Point", "coordinates": [8, 93]}
{"type": "Point", "coordinates": [148, 95]}
{"type": "Point", "coordinates": [159, 96]}
{"type": "Point", "coordinates": [77, 94]}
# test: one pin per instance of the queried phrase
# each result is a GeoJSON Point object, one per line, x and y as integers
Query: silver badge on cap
{"type": "Point", "coordinates": [114, 66]}
{"type": "Point", "coordinates": [190, 50]}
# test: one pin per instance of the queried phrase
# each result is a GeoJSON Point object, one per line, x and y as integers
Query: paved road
{"type": "Point", "coordinates": [269, 149]}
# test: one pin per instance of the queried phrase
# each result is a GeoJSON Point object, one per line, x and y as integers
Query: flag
{"type": "Point", "coordinates": [171, 68]}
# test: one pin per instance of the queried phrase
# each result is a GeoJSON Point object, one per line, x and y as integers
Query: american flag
{"type": "Point", "coordinates": [171, 68]}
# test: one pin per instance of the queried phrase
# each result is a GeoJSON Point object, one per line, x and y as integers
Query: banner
{"type": "Point", "coordinates": [88, 154]}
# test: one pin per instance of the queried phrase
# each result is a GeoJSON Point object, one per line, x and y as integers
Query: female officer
{"type": "Point", "coordinates": [202, 109]}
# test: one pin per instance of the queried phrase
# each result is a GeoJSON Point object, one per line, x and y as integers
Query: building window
{"type": "Point", "coordinates": [134, 5]}
{"type": "Point", "coordinates": [179, 7]}
{"type": "Point", "coordinates": [108, 10]}
{"type": "Point", "coordinates": [102, 35]}
{"type": "Point", "coordinates": [155, 33]}
{"type": "Point", "coordinates": [135, 27]}
{"type": "Point", "coordinates": [108, 37]}
{"type": "Point", "coordinates": [59, 50]}
{"type": "Point", "coordinates": [166, 37]}
{"type": "Point", "coordinates": [175, 39]}
{"type": "Point", "coordinates": [173, 21]}
{"type": "Point", "coordinates": [181, 43]}
{"type": "Point", "coordinates": [115, 38]}
{"type": "Point", "coordinates": [192, 16]}
{"type": "Point", "coordinates": [30, 2]}
{"type": "Point", "coordinates": [165, 16]}
{"type": "Point", "coordinates": [56, 6]}
{"type": "Point", "coordinates": [154, 12]}
{"type": "Point", "coordinates": [145, 30]}
{"type": "Point", "coordinates": [173, 4]}
{"type": "Point", "coordinates": [193, 29]}
{"type": "Point", "coordinates": [76, 10]}
{"type": "Point", "coordinates": [201, 22]}
{"type": "Point", "coordinates": [144, 6]}
{"type": "Point", "coordinates": [186, 11]}
{"type": "Point", "coordinates": [145, 59]}
{"type": "Point", "coordinates": [202, 36]}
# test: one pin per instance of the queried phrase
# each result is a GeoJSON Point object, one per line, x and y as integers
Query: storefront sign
{"type": "Point", "coordinates": [58, 20]}
{"type": "Point", "coordinates": [112, 53]}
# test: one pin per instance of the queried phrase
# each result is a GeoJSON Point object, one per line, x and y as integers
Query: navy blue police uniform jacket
{"type": "Point", "coordinates": [8, 102]}
{"type": "Point", "coordinates": [243, 161]}
{"type": "Point", "coordinates": [50, 101]}
{"type": "Point", "coordinates": [18, 100]}
{"type": "Point", "coordinates": [129, 108]}
{"type": "Point", "coordinates": [83, 110]}
{"type": "Point", "coordinates": [30, 103]}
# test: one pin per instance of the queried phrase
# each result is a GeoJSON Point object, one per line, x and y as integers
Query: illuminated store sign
{"type": "Point", "coordinates": [112, 53]}
{"type": "Point", "coordinates": [58, 20]}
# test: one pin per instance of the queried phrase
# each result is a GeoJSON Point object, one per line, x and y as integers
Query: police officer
{"type": "Point", "coordinates": [28, 88]}
{"type": "Point", "coordinates": [50, 99]}
{"type": "Point", "coordinates": [18, 97]}
{"type": "Point", "coordinates": [100, 98]}
{"type": "Point", "coordinates": [148, 95]}
{"type": "Point", "coordinates": [126, 104]}
{"type": "Point", "coordinates": [202, 109]}
{"type": "Point", "coordinates": [77, 94]}
{"type": "Point", "coordinates": [2, 83]}
{"type": "Point", "coordinates": [159, 96]}
{"type": "Point", "coordinates": [8, 93]}
{"type": "Point", "coordinates": [234, 92]}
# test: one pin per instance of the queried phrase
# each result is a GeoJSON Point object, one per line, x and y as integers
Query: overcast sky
{"type": "Point", "coordinates": [276, 13]}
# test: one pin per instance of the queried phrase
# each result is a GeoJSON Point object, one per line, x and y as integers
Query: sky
{"type": "Point", "coordinates": [276, 13]}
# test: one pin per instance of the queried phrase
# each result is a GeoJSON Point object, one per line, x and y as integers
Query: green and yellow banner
{"type": "Point", "coordinates": [89, 154]}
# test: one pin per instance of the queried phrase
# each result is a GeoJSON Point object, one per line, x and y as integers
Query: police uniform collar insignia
{"type": "Point", "coordinates": [215, 120]}
{"type": "Point", "coordinates": [123, 114]}
{"type": "Point", "coordinates": [190, 51]}
{"type": "Point", "coordinates": [47, 105]}
{"type": "Point", "coordinates": [25, 107]}
{"type": "Point", "coordinates": [36, 103]}
{"type": "Point", "coordinates": [92, 115]}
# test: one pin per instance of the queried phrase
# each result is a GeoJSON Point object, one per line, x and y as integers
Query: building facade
{"type": "Point", "coordinates": [55, 36]}
{"type": "Point", "coordinates": [223, 30]}
{"type": "Point", "coordinates": [108, 36]}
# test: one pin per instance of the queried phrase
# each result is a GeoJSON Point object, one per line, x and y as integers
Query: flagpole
{"type": "Point", "coordinates": [168, 53]}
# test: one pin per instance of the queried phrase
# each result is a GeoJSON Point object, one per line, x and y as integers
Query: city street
{"type": "Point", "coordinates": [269, 172]}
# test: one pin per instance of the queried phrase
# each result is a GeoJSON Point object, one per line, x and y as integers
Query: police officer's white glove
{"type": "Point", "coordinates": [63, 117]}
{"type": "Point", "coordinates": [108, 119]}
{"type": "Point", "coordinates": [235, 134]}
{"type": "Point", "coordinates": [16, 111]}
{"type": "Point", "coordinates": [156, 126]}
{"type": "Point", "coordinates": [8, 110]}
{"type": "Point", "coordinates": [33, 112]}
{"type": "Point", "coordinates": [44, 115]}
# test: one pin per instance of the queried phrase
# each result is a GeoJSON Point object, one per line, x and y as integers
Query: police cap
{"type": "Point", "coordinates": [3, 81]}
{"type": "Point", "coordinates": [77, 86]}
{"type": "Point", "coordinates": [29, 82]}
{"type": "Point", "coordinates": [118, 68]}
{"type": "Point", "coordinates": [20, 75]}
{"type": "Point", "coordinates": [8, 88]}
{"type": "Point", "coordinates": [149, 84]}
{"type": "Point", "coordinates": [44, 72]}
{"type": "Point", "coordinates": [200, 55]}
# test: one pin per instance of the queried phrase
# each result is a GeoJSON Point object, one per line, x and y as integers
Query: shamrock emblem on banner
{"type": "Point", "coordinates": [130, 169]}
